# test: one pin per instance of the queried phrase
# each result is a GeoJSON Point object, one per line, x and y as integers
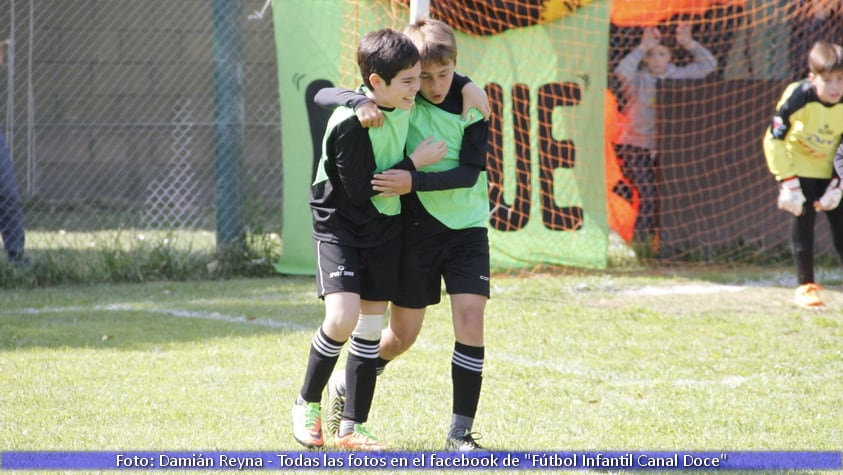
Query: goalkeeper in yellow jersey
{"type": "Point", "coordinates": [800, 146]}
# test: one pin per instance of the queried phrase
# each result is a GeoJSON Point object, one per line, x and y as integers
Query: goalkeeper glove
{"type": "Point", "coordinates": [831, 198]}
{"type": "Point", "coordinates": [791, 198]}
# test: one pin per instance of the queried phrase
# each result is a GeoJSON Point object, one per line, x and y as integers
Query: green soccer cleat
{"type": "Point", "coordinates": [307, 424]}
{"type": "Point", "coordinates": [360, 440]}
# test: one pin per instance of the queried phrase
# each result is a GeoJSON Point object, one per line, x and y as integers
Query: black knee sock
{"type": "Point", "coordinates": [467, 377]}
{"type": "Point", "coordinates": [324, 353]}
{"type": "Point", "coordinates": [360, 376]}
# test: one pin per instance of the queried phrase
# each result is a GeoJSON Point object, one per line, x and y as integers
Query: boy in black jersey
{"type": "Point", "coordinates": [445, 209]}
{"type": "Point", "coordinates": [800, 149]}
{"type": "Point", "coordinates": [357, 236]}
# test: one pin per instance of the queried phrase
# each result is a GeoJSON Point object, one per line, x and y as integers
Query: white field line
{"type": "Point", "coordinates": [172, 312]}
{"type": "Point", "coordinates": [683, 290]}
{"type": "Point", "coordinates": [564, 369]}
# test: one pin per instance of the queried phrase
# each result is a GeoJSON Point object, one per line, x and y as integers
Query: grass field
{"type": "Point", "coordinates": [678, 359]}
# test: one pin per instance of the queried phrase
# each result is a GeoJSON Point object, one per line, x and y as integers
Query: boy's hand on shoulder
{"type": "Point", "coordinates": [370, 115]}
{"type": "Point", "coordinates": [428, 152]}
{"type": "Point", "coordinates": [475, 97]}
{"type": "Point", "coordinates": [791, 198]}
{"type": "Point", "coordinates": [393, 182]}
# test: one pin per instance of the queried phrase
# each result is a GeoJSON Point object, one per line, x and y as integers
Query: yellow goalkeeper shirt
{"type": "Point", "coordinates": [804, 134]}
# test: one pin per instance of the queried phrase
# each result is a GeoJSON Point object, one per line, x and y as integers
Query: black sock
{"type": "Point", "coordinates": [381, 365]}
{"type": "Point", "coordinates": [324, 353]}
{"type": "Point", "coordinates": [360, 376]}
{"type": "Point", "coordinates": [467, 378]}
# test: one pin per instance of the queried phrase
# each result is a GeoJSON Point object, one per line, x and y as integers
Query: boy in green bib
{"type": "Point", "coordinates": [445, 209]}
{"type": "Point", "coordinates": [357, 237]}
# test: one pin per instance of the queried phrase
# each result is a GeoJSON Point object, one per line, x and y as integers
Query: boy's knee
{"type": "Point", "coordinates": [398, 341]}
{"type": "Point", "coordinates": [406, 340]}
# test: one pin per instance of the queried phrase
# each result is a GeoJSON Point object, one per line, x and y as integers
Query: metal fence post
{"type": "Point", "coordinates": [228, 123]}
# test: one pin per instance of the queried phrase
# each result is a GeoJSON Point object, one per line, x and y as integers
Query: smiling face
{"type": "Point", "coordinates": [400, 92]}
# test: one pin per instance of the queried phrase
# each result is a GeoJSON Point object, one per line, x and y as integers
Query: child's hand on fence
{"type": "Point", "coordinates": [652, 37]}
{"type": "Point", "coordinates": [831, 198]}
{"type": "Point", "coordinates": [791, 198]}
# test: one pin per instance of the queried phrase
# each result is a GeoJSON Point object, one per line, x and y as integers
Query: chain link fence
{"type": "Point", "coordinates": [113, 113]}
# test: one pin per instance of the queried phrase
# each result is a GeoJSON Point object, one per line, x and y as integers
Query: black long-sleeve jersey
{"type": "Point", "coordinates": [346, 210]}
{"type": "Point", "coordinates": [472, 150]}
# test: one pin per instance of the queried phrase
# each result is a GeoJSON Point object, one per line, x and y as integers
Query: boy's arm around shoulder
{"type": "Point", "coordinates": [332, 97]}
{"type": "Point", "coordinates": [473, 96]}
{"type": "Point", "coordinates": [365, 109]}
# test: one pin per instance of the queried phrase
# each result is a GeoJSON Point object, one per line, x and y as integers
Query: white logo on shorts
{"type": "Point", "coordinates": [341, 272]}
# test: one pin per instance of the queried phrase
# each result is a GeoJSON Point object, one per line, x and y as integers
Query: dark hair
{"type": "Point", "coordinates": [385, 52]}
{"type": "Point", "coordinates": [825, 58]}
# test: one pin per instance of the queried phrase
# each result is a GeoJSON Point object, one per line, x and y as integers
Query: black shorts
{"type": "Point", "coordinates": [371, 272]}
{"type": "Point", "coordinates": [460, 257]}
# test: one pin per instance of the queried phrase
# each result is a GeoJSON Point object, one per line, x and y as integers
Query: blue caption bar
{"type": "Point", "coordinates": [144, 460]}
